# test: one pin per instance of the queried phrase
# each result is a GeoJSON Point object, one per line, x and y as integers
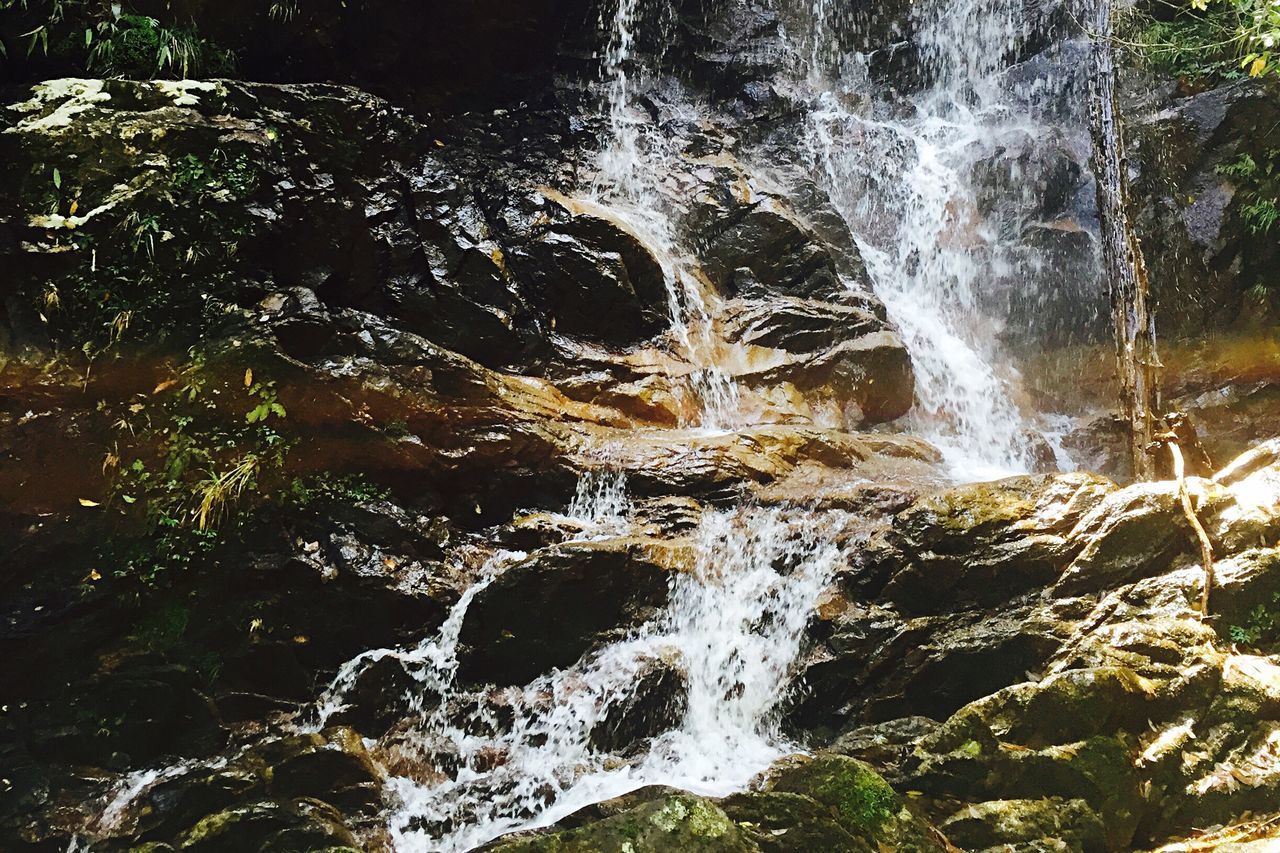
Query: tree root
{"type": "Point", "coordinates": [1206, 547]}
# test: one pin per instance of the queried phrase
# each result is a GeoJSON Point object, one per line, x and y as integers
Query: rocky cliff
{"type": "Point", "coordinates": [375, 474]}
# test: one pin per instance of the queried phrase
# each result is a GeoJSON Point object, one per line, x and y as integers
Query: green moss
{"type": "Point", "coordinates": [864, 798]}
{"type": "Point", "coordinates": [697, 817]}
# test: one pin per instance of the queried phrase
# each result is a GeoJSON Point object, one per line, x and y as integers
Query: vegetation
{"type": "Point", "coordinates": [196, 463]}
{"type": "Point", "coordinates": [189, 470]}
{"type": "Point", "coordinates": [112, 40]}
{"type": "Point", "coordinates": [1206, 40]}
{"type": "Point", "coordinates": [1258, 189]}
{"type": "Point", "coordinates": [178, 273]}
{"type": "Point", "coordinates": [1261, 628]}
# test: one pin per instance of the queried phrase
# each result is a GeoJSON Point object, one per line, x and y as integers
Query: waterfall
{"type": "Point", "coordinates": [902, 175]}
{"type": "Point", "coordinates": [631, 163]}
{"type": "Point", "coordinates": [732, 630]}
{"type": "Point", "coordinates": [469, 762]}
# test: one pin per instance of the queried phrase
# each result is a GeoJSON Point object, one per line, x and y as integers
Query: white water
{"type": "Point", "coordinates": [902, 177]}
{"type": "Point", "coordinates": [633, 159]}
{"type": "Point", "coordinates": [470, 764]}
{"type": "Point", "coordinates": [491, 761]}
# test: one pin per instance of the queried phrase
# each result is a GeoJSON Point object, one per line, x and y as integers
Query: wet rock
{"type": "Point", "coordinates": [655, 704]}
{"type": "Point", "coordinates": [718, 466]}
{"type": "Point", "coordinates": [597, 278]}
{"type": "Point", "coordinates": [1131, 531]}
{"type": "Point", "coordinates": [762, 248]}
{"type": "Point", "coordinates": [979, 544]}
{"type": "Point", "coordinates": [884, 745]}
{"type": "Point", "coordinates": [139, 710]}
{"type": "Point", "coordinates": [779, 822]}
{"type": "Point", "coordinates": [271, 790]}
{"type": "Point", "coordinates": [298, 824]}
{"type": "Point", "coordinates": [384, 693]}
{"type": "Point", "coordinates": [862, 802]}
{"type": "Point", "coordinates": [545, 611]}
{"type": "Point", "coordinates": [676, 822]}
{"type": "Point", "coordinates": [1050, 822]}
{"type": "Point", "coordinates": [1198, 244]}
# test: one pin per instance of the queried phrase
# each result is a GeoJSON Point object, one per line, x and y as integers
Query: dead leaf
{"type": "Point", "coordinates": [89, 503]}
{"type": "Point", "coordinates": [248, 377]}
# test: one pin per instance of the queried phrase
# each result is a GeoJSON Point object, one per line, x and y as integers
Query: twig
{"type": "Point", "coordinates": [1206, 547]}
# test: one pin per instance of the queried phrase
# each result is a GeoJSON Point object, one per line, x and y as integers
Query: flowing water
{"type": "Point", "coordinates": [469, 764]}
{"type": "Point", "coordinates": [526, 756]}
{"type": "Point", "coordinates": [903, 176]}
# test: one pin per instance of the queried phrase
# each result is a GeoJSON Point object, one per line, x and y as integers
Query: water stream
{"type": "Point", "coordinates": [490, 761]}
{"type": "Point", "coordinates": [903, 176]}
{"type": "Point", "coordinates": [471, 764]}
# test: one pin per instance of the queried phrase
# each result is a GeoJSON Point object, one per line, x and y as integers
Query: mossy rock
{"type": "Point", "coordinates": [302, 824]}
{"type": "Point", "coordinates": [780, 822]}
{"type": "Point", "coordinates": [1024, 822]}
{"type": "Point", "coordinates": [859, 799]}
{"type": "Point", "coordinates": [680, 822]}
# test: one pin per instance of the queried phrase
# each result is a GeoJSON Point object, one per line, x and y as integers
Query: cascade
{"type": "Point", "coordinates": [468, 763]}
{"type": "Point", "coordinates": [733, 627]}
{"type": "Point", "coordinates": [631, 163]}
{"type": "Point", "coordinates": [903, 177]}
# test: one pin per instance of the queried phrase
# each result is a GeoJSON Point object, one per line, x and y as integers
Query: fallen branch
{"type": "Point", "coordinates": [1206, 547]}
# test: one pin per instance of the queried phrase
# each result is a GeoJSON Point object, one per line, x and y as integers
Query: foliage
{"type": "Point", "coordinates": [180, 273]}
{"type": "Point", "coordinates": [113, 40]}
{"type": "Point", "coordinates": [1258, 188]}
{"type": "Point", "coordinates": [1261, 627]}
{"type": "Point", "coordinates": [1207, 40]}
{"type": "Point", "coordinates": [139, 46]}
{"type": "Point", "coordinates": [333, 488]}
{"type": "Point", "coordinates": [193, 471]}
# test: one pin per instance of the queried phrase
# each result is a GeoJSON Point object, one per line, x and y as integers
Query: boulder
{"type": "Point", "coordinates": [676, 822]}
{"type": "Point", "coordinates": [294, 788]}
{"type": "Point", "coordinates": [1050, 822]}
{"type": "Point", "coordinates": [320, 186]}
{"type": "Point", "coordinates": [1202, 256]}
{"type": "Point", "coordinates": [596, 277]}
{"type": "Point", "coordinates": [545, 611]}
{"type": "Point", "coordinates": [655, 704]}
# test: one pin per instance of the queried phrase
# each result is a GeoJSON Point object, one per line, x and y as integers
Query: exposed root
{"type": "Point", "coordinates": [1188, 509]}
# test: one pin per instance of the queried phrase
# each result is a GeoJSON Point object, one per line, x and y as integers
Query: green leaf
{"type": "Point", "coordinates": [57, 179]}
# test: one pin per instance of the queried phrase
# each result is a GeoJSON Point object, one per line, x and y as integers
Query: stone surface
{"type": "Point", "coordinates": [546, 611]}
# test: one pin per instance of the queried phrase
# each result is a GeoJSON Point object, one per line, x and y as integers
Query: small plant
{"type": "Point", "coordinates": [335, 488]}
{"type": "Point", "coordinates": [1258, 186]}
{"type": "Point", "coordinates": [1261, 627]}
{"type": "Point", "coordinates": [127, 44]}
{"type": "Point", "coordinates": [193, 470]}
{"type": "Point", "coordinates": [1206, 40]}
{"type": "Point", "coordinates": [219, 491]}
{"type": "Point", "coordinates": [283, 10]}
{"type": "Point", "coordinates": [268, 402]}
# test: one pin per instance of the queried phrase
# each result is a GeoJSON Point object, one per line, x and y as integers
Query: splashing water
{"type": "Point", "coordinates": [496, 760]}
{"type": "Point", "coordinates": [600, 503]}
{"type": "Point", "coordinates": [632, 158]}
{"type": "Point", "coordinates": [937, 254]}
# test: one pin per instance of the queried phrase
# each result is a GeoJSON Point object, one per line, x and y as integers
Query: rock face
{"type": "Point", "coordinates": [343, 429]}
{"type": "Point", "coordinates": [827, 802]}
{"type": "Point", "coordinates": [590, 587]}
{"type": "Point", "coordinates": [1196, 181]}
{"type": "Point", "coordinates": [1118, 701]}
